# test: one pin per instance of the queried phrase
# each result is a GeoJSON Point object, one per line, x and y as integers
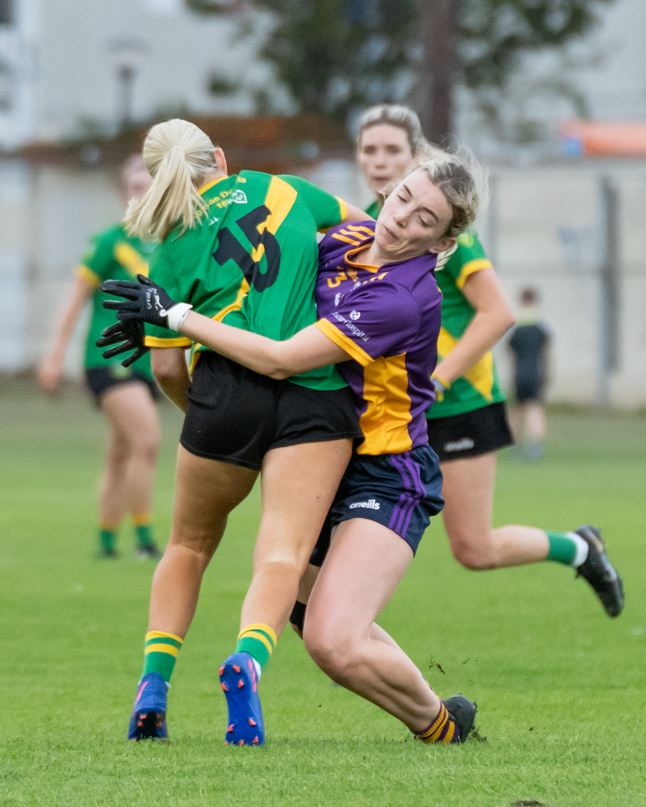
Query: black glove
{"type": "Point", "coordinates": [128, 335]}
{"type": "Point", "coordinates": [144, 301]}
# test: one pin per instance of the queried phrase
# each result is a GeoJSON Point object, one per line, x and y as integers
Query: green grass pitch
{"type": "Point", "coordinates": [560, 687]}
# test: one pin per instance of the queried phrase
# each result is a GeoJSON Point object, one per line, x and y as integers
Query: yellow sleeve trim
{"type": "Point", "coordinates": [344, 342]}
{"type": "Point", "coordinates": [343, 209]}
{"type": "Point", "coordinates": [156, 341]}
{"type": "Point", "coordinates": [89, 276]}
{"type": "Point", "coordinates": [470, 267]}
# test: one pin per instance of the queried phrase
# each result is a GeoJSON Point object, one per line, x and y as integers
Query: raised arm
{"type": "Point", "coordinates": [50, 369]}
{"type": "Point", "coordinates": [492, 319]}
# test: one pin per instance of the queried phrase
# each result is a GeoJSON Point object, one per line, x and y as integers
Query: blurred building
{"type": "Point", "coordinates": [72, 67]}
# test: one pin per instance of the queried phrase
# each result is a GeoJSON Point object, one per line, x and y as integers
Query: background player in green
{"type": "Point", "coordinates": [124, 395]}
{"type": "Point", "coordinates": [468, 421]}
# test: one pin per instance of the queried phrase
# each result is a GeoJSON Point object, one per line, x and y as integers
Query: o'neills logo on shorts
{"type": "Point", "coordinates": [371, 504]}
{"type": "Point", "coordinates": [460, 445]}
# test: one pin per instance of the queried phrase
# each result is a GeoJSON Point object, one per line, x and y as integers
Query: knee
{"type": "Point", "coordinates": [333, 653]}
{"type": "Point", "coordinates": [474, 552]}
{"type": "Point", "coordinates": [145, 446]}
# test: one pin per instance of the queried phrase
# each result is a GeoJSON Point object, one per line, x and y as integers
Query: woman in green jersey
{"type": "Point", "coordinates": [468, 422]}
{"type": "Point", "coordinates": [124, 395]}
{"type": "Point", "coordinates": [242, 250]}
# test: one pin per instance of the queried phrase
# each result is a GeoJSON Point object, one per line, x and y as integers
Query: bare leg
{"type": "Point", "coordinates": [135, 436]}
{"type": "Point", "coordinates": [535, 421]}
{"type": "Point", "coordinates": [298, 486]}
{"type": "Point", "coordinates": [361, 572]}
{"type": "Point", "coordinates": [206, 492]}
{"type": "Point", "coordinates": [468, 492]}
{"type": "Point", "coordinates": [305, 589]}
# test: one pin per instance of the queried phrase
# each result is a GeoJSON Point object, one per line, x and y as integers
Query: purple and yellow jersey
{"type": "Point", "coordinates": [388, 320]}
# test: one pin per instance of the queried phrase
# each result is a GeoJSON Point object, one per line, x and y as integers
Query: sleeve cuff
{"type": "Point", "coordinates": [343, 209]}
{"type": "Point", "coordinates": [470, 268]}
{"type": "Point", "coordinates": [88, 275]}
{"type": "Point", "coordinates": [344, 342]}
{"type": "Point", "coordinates": [177, 341]}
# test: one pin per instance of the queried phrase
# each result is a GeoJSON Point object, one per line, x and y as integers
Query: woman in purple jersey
{"type": "Point", "coordinates": [379, 309]}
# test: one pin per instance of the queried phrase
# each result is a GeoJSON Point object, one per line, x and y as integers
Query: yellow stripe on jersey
{"type": "Point", "coordinates": [88, 275]}
{"type": "Point", "coordinates": [385, 421]}
{"type": "Point", "coordinates": [361, 230]}
{"type": "Point", "coordinates": [235, 306]}
{"type": "Point", "coordinates": [480, 376]}
{"type": "Point", "coordinates": [177, 341]}
{"type": "Point", "coordinates": [209, 185]}
{"type": "Point", "coordinates": [130, 259]}
{"type": "Point", "coordinates": [344, 342]}
{"type": "Point", "coordinates": [469, 268]}
{"type": "Point", "coordinates": [370, 267]}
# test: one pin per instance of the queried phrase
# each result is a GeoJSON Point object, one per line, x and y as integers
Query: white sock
{"type": "Point", "coordinates": [258, 668]}
{"type": "Point", "coordinates": [581, 549]}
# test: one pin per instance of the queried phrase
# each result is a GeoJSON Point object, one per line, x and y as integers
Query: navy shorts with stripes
{"type": "Point", "coordinates": [400, 491]}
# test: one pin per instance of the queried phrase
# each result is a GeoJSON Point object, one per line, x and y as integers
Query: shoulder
{"type": "Point", "coordinates": [345, 236]}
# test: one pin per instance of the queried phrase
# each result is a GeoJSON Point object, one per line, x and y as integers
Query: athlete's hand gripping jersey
{"type": "Point", "coordinates": [251, 260]}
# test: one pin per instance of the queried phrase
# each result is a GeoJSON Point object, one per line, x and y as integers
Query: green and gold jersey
{"type": "Point", "coordinates": [112, 254]}
{"type": "Point", "coordinates": [479, 386]}
{"type": "Point", "coordinates": [251, 261]}
{"type": "Point", "coordinates": [374, 209]}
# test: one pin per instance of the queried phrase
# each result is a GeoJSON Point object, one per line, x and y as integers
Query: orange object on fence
{"type": "Point", "coordinates": [581, 138]}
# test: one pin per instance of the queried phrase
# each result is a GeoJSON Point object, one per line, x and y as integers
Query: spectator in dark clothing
{"type": "Point", "coordinates": [529, 344]}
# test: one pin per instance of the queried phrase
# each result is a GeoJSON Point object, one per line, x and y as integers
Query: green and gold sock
{"type": "Point", "coordinates": [259, 641]}
{"type": "Point", "coordinates": [108, 538]}
{"type": "Point", "coordinates": [567, 548]}
{"type": "Point", "coordinates": [143, 529]}
{"type": "Point", "coordinates": [161, 653]}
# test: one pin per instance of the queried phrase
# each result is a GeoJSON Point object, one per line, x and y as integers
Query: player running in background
{"type": "Point", "coordinates": [124, 395]}
{"type": "Point", "coordinates": [529, 345]}
{"type": "Point", "coordinates": [241, 249]}
{"type": "Point", "coordinates": [468, 422]}
{"type": "Point", "coordinates": [379, 309]}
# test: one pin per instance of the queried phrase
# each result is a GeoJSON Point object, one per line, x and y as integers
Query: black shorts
{"type": "Point", "coordinates": [529, 388]}
{"type": "Point", "coordinates": [400, 491]}
{"type": "Point", "coordinates": [470, 433]}
{"type": "Point", "coordinates": [235, 415]}
{"type": "Point", "coordinates": [101, 379]}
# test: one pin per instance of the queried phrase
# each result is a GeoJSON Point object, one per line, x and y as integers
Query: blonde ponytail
{"type": "Point", "coordinates": [178, 156]}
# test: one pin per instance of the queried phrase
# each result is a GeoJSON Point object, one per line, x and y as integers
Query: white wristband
{"type": "Point", "coordinates": [177, 315]}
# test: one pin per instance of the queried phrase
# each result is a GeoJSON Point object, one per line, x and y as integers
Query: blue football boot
{"type": "Point", "coordinates": [148, 719]}
{"type": "Point", "coordinates": [245, 725]}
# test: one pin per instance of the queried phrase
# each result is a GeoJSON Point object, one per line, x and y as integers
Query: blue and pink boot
{"type": "Point", "coordinates": [148, 719]}
{"type": "Point", "coordinates": [238, 679]}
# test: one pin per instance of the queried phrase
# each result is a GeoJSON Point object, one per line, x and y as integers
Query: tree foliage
{"type": "Point", "coordinates": [495, 33]}
{"type": "Point", "coordinates": [335, 55]}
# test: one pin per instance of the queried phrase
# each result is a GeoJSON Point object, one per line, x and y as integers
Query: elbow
{"type": "Point", "coordinates": [279, 373]}
{"type": "Point", "coordinates": [509, 322]}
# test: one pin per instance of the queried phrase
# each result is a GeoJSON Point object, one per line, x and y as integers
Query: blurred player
{"type": "Point", "coordinates": [124, 396]}
{"type": "Point", "coordinates": [468, 422]}
{"type": "Point", "coordinates": [379, 309]}
{"type": "Point", "coordinates": [529, 345]}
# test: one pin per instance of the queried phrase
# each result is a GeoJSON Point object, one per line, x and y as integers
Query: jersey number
{"type": "Point", "coordinates": [230, 249]}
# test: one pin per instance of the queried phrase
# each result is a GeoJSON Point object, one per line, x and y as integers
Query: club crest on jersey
{"type": "Point", "coordinates": [355, 315]}
{"type": "Point", "coordinates": [239, 197]}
